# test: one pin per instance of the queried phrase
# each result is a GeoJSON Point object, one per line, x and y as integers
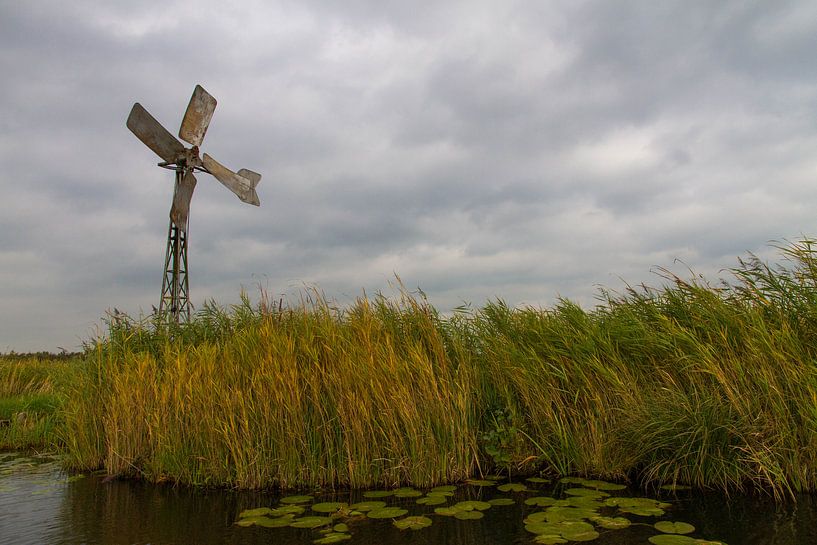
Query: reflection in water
{"type": "Point", "coordinates": [41, 505]}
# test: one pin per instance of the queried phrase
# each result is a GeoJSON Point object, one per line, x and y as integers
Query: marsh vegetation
{"type": "Point", "coordinates": [712, 385]}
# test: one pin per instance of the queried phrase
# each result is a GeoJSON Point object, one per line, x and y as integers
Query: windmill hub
{"type": "Point", "coordinates": [175, 297]}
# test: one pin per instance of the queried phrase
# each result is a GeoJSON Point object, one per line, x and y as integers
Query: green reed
{"type": "Point", "coordinates": [693, 383]}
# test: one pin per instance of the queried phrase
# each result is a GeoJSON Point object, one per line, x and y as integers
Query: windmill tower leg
{"type": "Point", "coordinates": [175, 303]}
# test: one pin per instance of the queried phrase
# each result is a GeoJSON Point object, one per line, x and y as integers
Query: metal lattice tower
{"type": "Point", "coordinates": [175, 302]}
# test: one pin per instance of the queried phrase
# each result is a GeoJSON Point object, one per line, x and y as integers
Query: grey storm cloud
{"type": "Point", "coordinates": [521, 150]}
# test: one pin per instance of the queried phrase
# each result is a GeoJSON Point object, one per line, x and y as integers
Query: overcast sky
{"type": "Point", "coordinates": [521, 150]}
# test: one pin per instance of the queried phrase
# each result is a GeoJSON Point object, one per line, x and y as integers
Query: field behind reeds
{"type": "Point", "coordinates": [712, 385]}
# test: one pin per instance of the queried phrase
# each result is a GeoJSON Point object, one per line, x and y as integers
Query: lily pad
{"type": "Point", "coordinates": [468, 515]}
{"type": "Point", "coordinates": [287, 510]}
{"type": "Point", "coordinates": [328, 507]}
{"type": "Point", "coordinates": [558, 514]}
{"type": "Point", "coordinates": [586, 492]}
{"type": "Point", "coordinates": [535, 518]}
{"type": "Point", "coordinates": [443, 493]}
{"type": "Point", "coordinates": [588, 535]}
{"type": "Point", "coordinates": [378, 493]}
{"type": "Point", "coordinates": [432, 500]}
{"type": "Point", "coordinates": [672, 539]}
{"type": "Point", "coordinates": [540, 501]}
{"type": "Point", "coordinates": [334, 537]}
{"type": "Point", "coordinates": [257, 512]}
{"type": "Point", "coordinates": [472, 505]}
{"type": "Point", "coordinates": [311, 522]}
{"type": "Point", "coordinates": [549, 539]}
{"type": "Point", "coordinates": [264, 521]}
{"type": "Point", "coordinates": [502, 501]}
{"type": "Point", "coordinates": [612, 523]}
{"type": "Point", "coordinates": [643, 511]}
{"type": "Point", "coordinates": [537, 480]}
{"type": "Point", "coordinates": [340, 528]}
{"type": "Point", "coordinates": [367, 505]}
{"type": "Point", "coordinates": [413, 523]}
{"type": "Point", "coordinates": [386, 513]}
{"type": "Point", "coordinates": [480, 482]}
{"type": "Point", "coordinates": [446, 511]}
{"type": "Point", "coordinates": [669, 527]}
{"type": "Point", "coordinates": [603, 485]}
{"type": "Point", "coordinates": [444, 488]}
{"type": "Point", "coordinates": [407, 493]}
{"type": "Point", "coordinates": [296, 499]}
{"type": "Point", "coordinates": [512, 487]}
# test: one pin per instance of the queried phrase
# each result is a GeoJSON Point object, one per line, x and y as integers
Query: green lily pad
{"type": "Point", "coordinates": [540, 501]}
{"type": "Point", "coordinates": [340, 528]}
{"type": "Point", "coordinates": [287, 510]}
{"type": "Point", "coordinates": [443, 493]}
{"type": "Point", "coordinates": [257, 512]}
{"type": "Point", "coordinates": [549, 539]}
{"type": "Point", "coordinates": [672, 539]}
{"type": "Point", "coordinates": [584, 502]}
{"type": "Point", "coordinates": [603, 485]}
{"type": "Point", "coordinates": [296, 499]}
{"type": "Point", "coordinates": [502, 501]}
{"type": "Point", "coordinates": [589, 535]}
{"type": "Point", "coordinates": [643, 511]}
{"type": "Point", "coordinates": [264, 521]}
{"type": "Point", "coordinates": [335, 537]}
{"type": "Point", "coordinates": [386, 513]}
{"type": "Point", "coordinates": [311, 522]}
{"type": "Point", "coordinates": [468, 515]}
{"type": "Point", "coordinates": [543, 528]}
{"type": "Point", "coordinates": [558, 514]}
{"type": "Point", "coordinates": [512, 487]}
{"type": "Point", "coordinates": [611, 523]}
{"type": "Point", "coordinates": [432, 500]}
{"type": "Point", "coordinates": [669, 527]}
{"type": "Point", "coordinates": [537, 480]}
{"type": "Point", "coordinates": [378, 493]}
{"type": "Point", "coordinates": [328, 507]}
{"type": "Point", "coordinates": [444, 488]}
{"type": "Point", "coordinates": [586, 492]}
{"type": "Point", "coordinates": [535, 518]}
{"type": "Point", "coordinates": [446, 511]}
{"type": "Point", "coordinates": [367, 505]}
{"type": "Point", "coordinates": [480, 482]}
{"type": "Point", "coordinates": [407, 493]}
{"type": "Point", "coordinates": [472, 505]}
{"type": "Point", "coordinates": [413, 523]}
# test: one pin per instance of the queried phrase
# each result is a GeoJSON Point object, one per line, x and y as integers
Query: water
{"type": "Point", "coordinates": [41, 505]}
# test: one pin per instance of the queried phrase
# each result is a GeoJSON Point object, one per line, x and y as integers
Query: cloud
{"type": "Point", "coordinates": [520, 150]}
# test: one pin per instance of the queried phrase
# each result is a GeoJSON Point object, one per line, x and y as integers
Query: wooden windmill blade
{"type": "Point", "coordinates": [184, 161]}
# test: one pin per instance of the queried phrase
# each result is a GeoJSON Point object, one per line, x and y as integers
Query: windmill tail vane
{"type": "Point", "coordinates": [175, 301]}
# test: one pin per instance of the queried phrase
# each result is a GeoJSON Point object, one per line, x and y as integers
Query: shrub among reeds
{"type": "Point", "coordinates": [714, 386]}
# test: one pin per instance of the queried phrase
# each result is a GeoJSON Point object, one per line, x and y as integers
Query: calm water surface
{"type": "Point", "coordinates": [39, 504]}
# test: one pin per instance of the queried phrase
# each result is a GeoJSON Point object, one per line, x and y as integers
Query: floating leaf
{"type": "Point", "coordinates": [549, 539]}
{"type": "Point", "coordinates": [512, 487]}
{"type": "Point", "coordinates": [557, 514]}
{"type": "Point", "coordinates": [386, 513]}
{"type": "Point", "coordinates": [446, 511]}
{"type": "Point", "coordinates": [540, 501]}
{"type": "Point", "coordinates": [480, 482]}
{"type": "Point", "coordinates": [296, 499]}
{"type": "Point", "coordinates": [543, 528]}
{"type": "Point", "coordinates": [502, 501]}
{"type": "Point", "coordinates": [472, 505]}
{"type": "Point", "coordinates": [672, 539]}
{"type": "Point", "coordinates": [407, 493]}
{"type": "Point", "coordinates": [413, 523]}
{"type": "Point", "coordinates": [468, 515]}
{"type": "Point", "coordinates": [537, 480]}
{"type": "Point", "coordinates": [257, 512]}
{"type": "Point", "coordinates": [669, 527]}
{"type": "Point", "coordinates": [266, 522]}
{"type": "Point", "coordinates": [611, 523]}
{"type": "Point", "coordinates": [444, 488]}
{"type": "Point", "coordinates": [603, 485]}
{"type": "Point", "coordinates": [335, 537]}
{"type": "Point", "coordinates": [340, 528]}
{"type": "Point", "coordinates": [311, 522]}
{"type": "Point", "coordinates": [367, 505]}
{"type": "Point", "coordinates": [586, 492]}
{"type": "Point", "coordinates": [431, 500]}
{"type": "Point", "coordinates": [443, 493]}
{"type": "Point", "coordinates": [328, 507]}
{"type": "Point", "coordinates": [287, 510]}
{"type": "Point", "coordinates": [589, 535]}
{"type": "Point", "coordinates": [378, 493]}
{"type": "Point", "coordinates": [643, 511]}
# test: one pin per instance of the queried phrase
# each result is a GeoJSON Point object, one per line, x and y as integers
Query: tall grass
{"type": "Point", "coordinates": [709, 385]}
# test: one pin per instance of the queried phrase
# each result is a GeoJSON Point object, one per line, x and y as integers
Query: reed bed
{"type": "Point", "coordinates": [688, 383]}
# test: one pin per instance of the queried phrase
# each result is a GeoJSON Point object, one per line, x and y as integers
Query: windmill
{"type": "Point", "coordinates": [184, 161]}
